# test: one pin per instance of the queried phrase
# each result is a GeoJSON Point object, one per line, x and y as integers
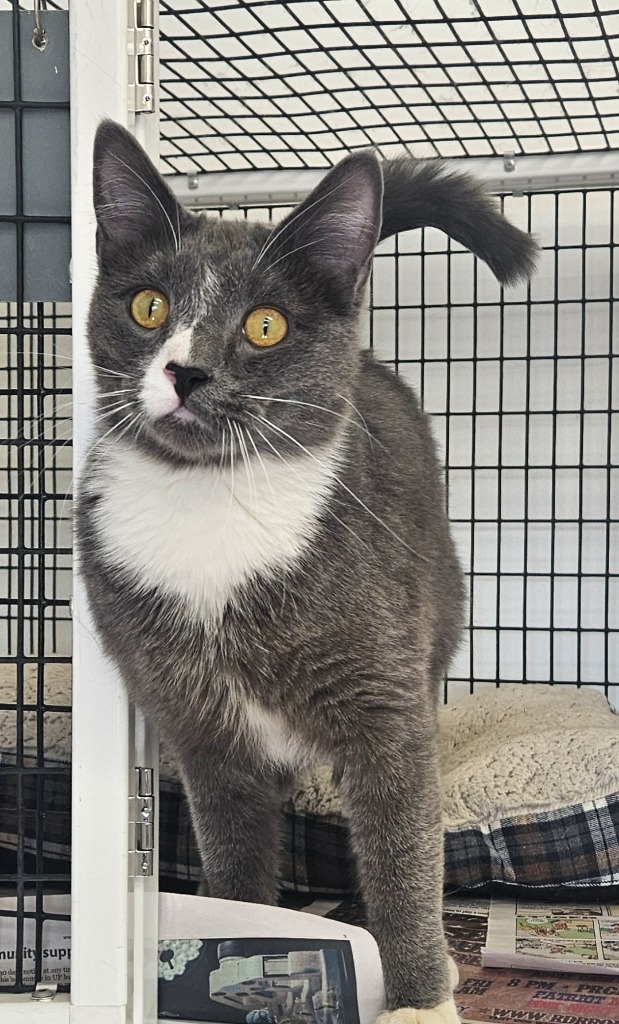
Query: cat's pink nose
{"type": "Point", "coordinates": [170, 374]}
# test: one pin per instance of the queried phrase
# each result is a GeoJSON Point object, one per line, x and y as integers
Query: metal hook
{"type": "Point", "coordinates": [39, 35]}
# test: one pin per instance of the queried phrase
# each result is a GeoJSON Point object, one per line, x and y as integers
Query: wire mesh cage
{"type": "Point", "coordinates": [256, 84]}
{"type": "Point", "coordinates": [35, 664]}
{"type": "Point", "coordinates": [35, 541]}
{"type": "Point", "coordinates": [519, 383]}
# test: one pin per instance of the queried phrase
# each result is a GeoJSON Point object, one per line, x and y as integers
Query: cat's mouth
{"type": "Point", "coordinates": [183, 413]}
{"type": "Point", "coordinates": [184, 422]}
{"type": "Point", "coordinates": [188, 436]}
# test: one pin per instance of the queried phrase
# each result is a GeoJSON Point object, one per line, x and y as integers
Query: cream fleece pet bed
{"type": "Point", "coordinates": [530, 788]}
{"type": "Point", "coordinates": [512, 750]}
{"type": "Point", "coordinates": [530, 781]}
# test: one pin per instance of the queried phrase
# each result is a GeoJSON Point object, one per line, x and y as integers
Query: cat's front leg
{"type": "Point", "coordinates": [391, 787]}
{"type": "Point", "coordinates": [236, 817]}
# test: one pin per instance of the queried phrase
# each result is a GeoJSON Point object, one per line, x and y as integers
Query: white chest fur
{"type": "Point", "coordinates": [277, 743]}
{"type": "Point", "coordinates": [199, 534]}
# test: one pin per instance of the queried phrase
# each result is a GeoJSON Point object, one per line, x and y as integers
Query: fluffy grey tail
{"type": "Point", "coordinates": [425, 193]}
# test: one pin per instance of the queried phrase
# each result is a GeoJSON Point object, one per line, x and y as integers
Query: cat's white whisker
{"type": "Point", "coordinates": [222, 462]}
{"type": "Point", "coordinates": [115, 426]}
{"type": "Point", "coordinates": [119, 437]}
{"type": "Point", "coordinates": [224, 441]}
{"type": "Point", "coordinates": [54, 449]}
{"type": "Point", "coordinates": [37, 439]}
{"type": "Point", "coordinates": [232, 457]}
{"type": "Point", "coordinates": [127, 397]}
{"type": "Point", "coordinates": [141, 427]}
{"type": "Point", "coordinates": [381, 522]}
{"type": "Point", "coordinates": [250, 469]}
{"type": "Point", "coordinates": [260, 460]}
{"type": "Point", "coordinates": [266, 441]}
{"type": "Point", "coordinates": [363, 420]}
{"type": "Point", "coordinates": [115, 373]}
{"type": "Point", "coordinates": [121, 391]}
{"type": "Point", "coordinates": [128, 427]}
{"type": "Point", "coordinates": [66, 505]}
{"type": "Point", "coordinates": [60, 407]}
{"type": "Point", "coordinates": [251, 482]}
{"type": "Point", "coordinates": [110, 430]}
{"type": "Point", "coordinates": [177, 241]}
{"type": "Point", "coordinates": [33, 356]}
{"type": "Point", "coordinates": [312, 405]}
{"type": "Point", "coordinates": [291, 252]}
{"type": "Point", "coordinates": [287, 223]}
{"type": "Point", "coordinates": [115, 404]}
{"type": "Point", "coordinates": [109, 412]}
{"type": "Point", "coordinates": [326, 507]}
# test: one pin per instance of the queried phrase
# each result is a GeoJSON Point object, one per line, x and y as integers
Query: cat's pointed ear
{"type": "Point", "coordinates": [132, 201]}
{"type": "Point", "coordinates": [336, 228]}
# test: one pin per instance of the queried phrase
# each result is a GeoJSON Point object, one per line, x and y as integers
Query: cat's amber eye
{"type": "Point", "coordinates": [150, 308]}
{"type": "Point", "coordinates": [265, 326]}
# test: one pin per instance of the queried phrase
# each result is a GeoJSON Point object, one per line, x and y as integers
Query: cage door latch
{"type": "Point", "coordinates": [140, 44]}
{"type": "Point", "coordinates": [142, 824]}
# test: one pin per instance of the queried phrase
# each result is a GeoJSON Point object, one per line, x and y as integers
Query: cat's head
{"type": "Point", "coordinates": [204, 329]}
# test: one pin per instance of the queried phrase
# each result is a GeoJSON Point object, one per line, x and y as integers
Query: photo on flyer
{"type": "Point", "coordinates": [258, 981]}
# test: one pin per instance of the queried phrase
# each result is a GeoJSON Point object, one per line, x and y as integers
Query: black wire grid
{"type": "Point", "coordinates": [520, 383]}
{"type": "Point", "coordinates": [520, 386]}
{"type": "Point", "coordinates": [35, 586]}
{"type": "Point", "coordinates": [256, 84]}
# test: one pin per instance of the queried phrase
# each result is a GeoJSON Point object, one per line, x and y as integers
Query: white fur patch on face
{"type": "Point", "coordinates": [158, 397]}
{"type": "Point", "coordinates": [199, 534]}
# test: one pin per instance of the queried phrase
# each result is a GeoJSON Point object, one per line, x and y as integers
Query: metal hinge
{"type": "Point", "coordinates": [142, 824]}
{"type": "Point", "coordinates": [45, 991]}
{"type": "Point", "coordinates": [141, 41]}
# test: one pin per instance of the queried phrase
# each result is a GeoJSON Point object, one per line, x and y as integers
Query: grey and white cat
{"type": "Point", "coordinates": [262, 528]}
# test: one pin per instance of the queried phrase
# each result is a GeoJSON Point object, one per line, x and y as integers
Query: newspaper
{"type": "Point", "coordinates": [489, 996]}
{"type": "Point", "coordinates": [577, 938]}
{"type": "Point", "coordinates": [55, 945]}
{"type": "Point", "coordinates": [225, 962]}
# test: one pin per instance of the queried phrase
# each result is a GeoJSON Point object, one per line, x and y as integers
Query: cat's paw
{"type": "Point", "coordinates": [444, 1013]}
{"type": "Point", "coordinates": [454, 973]}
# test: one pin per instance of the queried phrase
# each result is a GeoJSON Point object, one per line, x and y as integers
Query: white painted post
{"type": "Point", "coordinates": [144, 892]}
{"type": "Point", "coordinates": [99, 986]}
{"type": "Point", "coordinates": [114, 919]}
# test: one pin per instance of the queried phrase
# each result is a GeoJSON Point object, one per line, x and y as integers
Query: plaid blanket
{"type": "Point", "coordinates": [576, 846]}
